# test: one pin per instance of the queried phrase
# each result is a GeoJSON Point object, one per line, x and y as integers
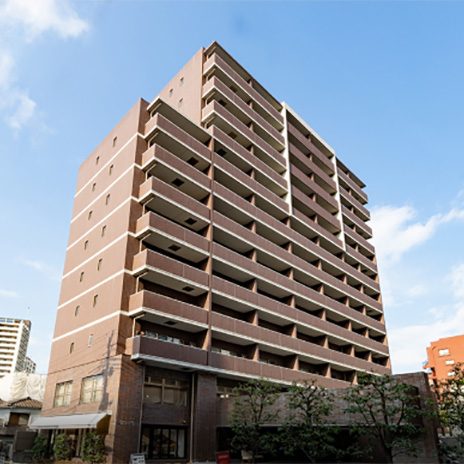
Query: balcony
{"type": "Point", "coordinates": [159, 309]}
{"type": "Point", "coordinates": [169, 136]}
{"type": "Point", "coordinates": [217, 90]}
{"type": "Point", "coordinates": [244, 186]}
{"type": "Point", "coordinates": [244, 160]}
{"type": "Point", "coordinates": [364, 229]}
{"type": "Point", "coordinates": [309, 187]}
{"type": "Point", "coordinates": [305, 144]}
{"type": "Point", "coordinates": [158, 352]}
{"type": "Point", "coordinates": [174, 204]}
{"type": "Point", "coordinates": [350, 200]}
{"type": "Point", "coordinates": [350, 184]}
{"type": "Point", "coordinates": [307, 166]}
{"type": "Point", "coordinates": [216, 114]}
{"type": "Point", "coordinates": [170, 273]}
{"type": "Point", "coordinates": [171, 237]}
{"type": "Point", "coordinates": [166, 166]}
{"type": "Point", "coordinates": [216, 66]}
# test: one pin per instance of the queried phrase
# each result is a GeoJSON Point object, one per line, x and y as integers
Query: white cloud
{"type": "Point", "coordinates": [38, 16]}
{"type": "Point", "coordinates": [408, 344]}
{"type": "Point", "coordinates": [457, 280]}
{"type": "Point", "coordinates": [6, 70]}
{"type": "Point", "coordinates": [8, 293]}
{"type": "Point", "coordinates": [22, 108]}
{"type": "Point", "coordinates": [395, 233]}
{"type": "Point", "coordinates": [29, 19]}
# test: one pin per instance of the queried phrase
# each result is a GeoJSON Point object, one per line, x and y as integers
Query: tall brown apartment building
{"type": "Point", "coordinates": [215, 238]}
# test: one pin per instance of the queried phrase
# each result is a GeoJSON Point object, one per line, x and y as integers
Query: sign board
{"type": "Point", "coordinates": [223, 457]}
{"type": "Point", "coordinates": [138, 458]}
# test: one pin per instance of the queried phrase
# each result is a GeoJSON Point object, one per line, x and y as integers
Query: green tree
{"type": "Point", "coordinates": [61, 449]}
{"type": "Point", "coordinates": [252, 409]}
{"type": "Point", "coordinates": [40, 448]}
{"type": "Point", "coordinates": [306, 427]}
{"type": "Point", "coordinates": [450, 395]}
{"type": "Point", "coordinates": [388, 411]}
{"type": "Point", "coordinates": [93, 449]}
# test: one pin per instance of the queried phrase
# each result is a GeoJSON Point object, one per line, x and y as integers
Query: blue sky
{"type": "Point", "coordinates": [381, 81]}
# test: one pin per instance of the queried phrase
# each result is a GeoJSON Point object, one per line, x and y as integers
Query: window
{"type": "Point", "coordinates": [181, 81]}
{"type": "Point", "coordinates": [76, 311]}
{"type": "Point", "coordinates": [18, 419]}
{"type": "Point", "coordinates": [115, 140]}
{"type": "Point", "coordinates": [99, 264]}
{"type": "Point", "coordinates": [111, 169]}
{"type": "Point", "coordinates": [103, 231]}
{"type": "Point", "coordinates": [95, 300]}
{"type": "Point", "coordinates": [165, 391]}
{"type": "Point", "coordinates": [107, 201]}
{"type": "Point", "coordinates": [164, 443]}
{"type": "Point", "coordinates": [94, 186]}
{"type": "Point", "coordinates": [92, 389]}
{"type": "Point", "coordinates": [90, 215]}
{"type": "Point", "coordinates": [171, 92]}
{"type": "Point", "coordinates": [63, 393]}
{"type": "Point", "coordinates": [90, 339]}
{"type": "Point", "coordinates": [71, 348]}
{"type": "Point", "coordinates": [81, 278]}
{"type": "Point", "coordinates": [449, 361]}
{"type": "Point", "coordinates": [181, 102]}
{"type": "Point", "coordinates": [86, 244]}
{"type": "Point", "coordinates": [443, 352]}
{"type": "Point", "coordinates": [97, 160]}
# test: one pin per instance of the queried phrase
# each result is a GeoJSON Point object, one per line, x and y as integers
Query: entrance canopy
{"type": "Point", "coordinates": [75, 421]}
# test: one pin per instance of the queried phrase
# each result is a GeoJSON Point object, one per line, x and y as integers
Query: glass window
{"type": "Point", "coordinates": [63, 393]}
{"type": "Point", "coordinates": [92, 389]}
{"type": "Point", "coordinates": [165, 391]}
{"type": "Point", "coordinates": [163, 442]}
{"type": "Point", "coordinates": [443, 352]}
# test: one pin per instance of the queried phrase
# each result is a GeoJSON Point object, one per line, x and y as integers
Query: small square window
{"type": "Point", "coordinates": [181, 81]}
{"type": "Point", "coordinates": [181, 102]}
{"type": "Point", "coordinates": [97, 160]}
{"type": "Point", "coordinates": [221, 152]}
{"type": "Point", "coordinates": [86, 244]}
{"type": "Point", "coordinates": [94, 186]}
{"type": "Point", "coordinates": [174, 247]}
{"type": "Point", "coordinates": [115, 141]}
{"type": "Point", "coordinates": [90, 339]}
{"type": "Point", "coordinates": [192, 161]}
{"type": "Point", "coordinates": [99, 265]}
{"type": "Point", "coordinates": [111, 169]}
{"type": "Point", "coordinates": [90, 215]}
{"type": "Point", "coordinates": [76, 311]}
{"type": "Point", "coordinates": [233, 135]}
{"type": "Point", "coordinates": [190, 221]}
{"type": "Point", "coordinates": [443, 352]}
{"type": "Point", "coordinates": [107, 201]}
{"type": "Point", "coordinates": [71, 348]}
{"type": "Point", "coordinates": [171, 92]}
{"type": "Point", "coordinates": [95, 300]}
{"type": "Point", "coordinates": [103, 231]}
{"type": "Point", "coordinates": [449, 361]}
{"type": "Point", "coordinates": [81, 278]}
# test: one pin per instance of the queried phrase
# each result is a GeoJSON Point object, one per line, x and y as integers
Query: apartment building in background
{"type": "Point", "coordinates": [14, 338]}
{"type": "Point", "coordinates": [215, 238]}
{"type": "Point", "coordinates": [29, 366]}
{"type": "Point", "coordinates": [442, 356]}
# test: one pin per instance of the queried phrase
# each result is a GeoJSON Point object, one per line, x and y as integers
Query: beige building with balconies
{"type": "Point", "coordinates": [14, 338]}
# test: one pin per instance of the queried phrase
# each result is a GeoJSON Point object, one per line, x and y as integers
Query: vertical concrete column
{"type": "Point", "coordinates": [204, 418]}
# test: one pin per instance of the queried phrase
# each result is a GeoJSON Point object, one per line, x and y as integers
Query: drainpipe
{"type": "Point", "coordinates": [192, 397]}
